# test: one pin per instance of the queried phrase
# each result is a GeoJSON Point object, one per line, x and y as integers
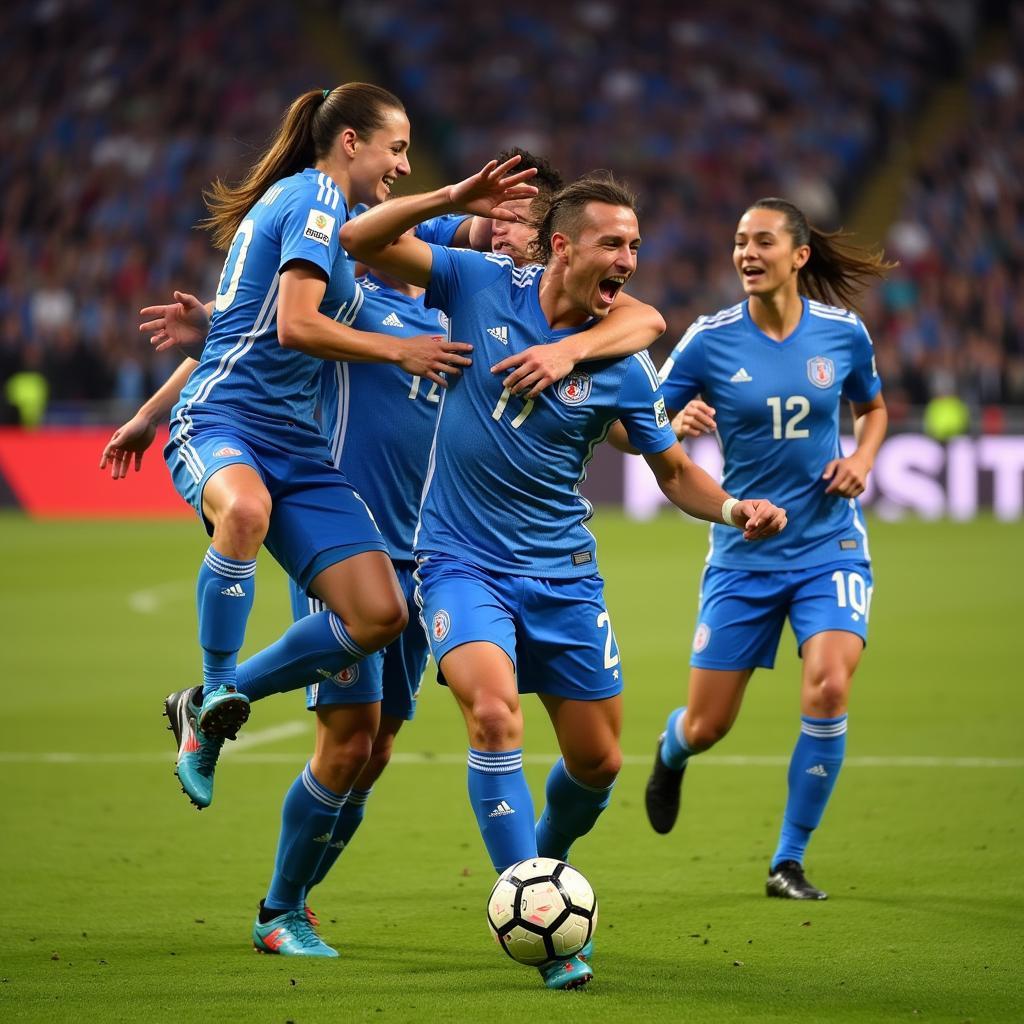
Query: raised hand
{"type": "Point", "coordinates": [696, 418]}
{"type": "Point", "coordinates": [180, 324]}
{"type": "Point", "coordinates": [484, 192]}
{"type": "Point", "coordinates": [126, 444]}
{"type": "Point", "coordinates": [429, 356]}
{"type": "Point", "coordinates": [534, 369]}
{"type": "Point", "coordinates": [759, 518]}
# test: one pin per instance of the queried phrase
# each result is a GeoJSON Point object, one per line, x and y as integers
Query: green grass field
{"type": "Point", "coordinates": [121, 903]}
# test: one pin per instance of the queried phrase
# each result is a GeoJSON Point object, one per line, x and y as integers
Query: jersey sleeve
{"type": "Point", "coordinates": [309, 224]}
{"type": "Point", "coordinates": [440, 230]}
{"type": "Point", "coordinates": [642, 407]}
{"type": "Point", "coordinates": [862, 383]}
{"type": "Point", "coordinates": [456, 274]}
{"type": "Point", "coordinates": [683, 375]}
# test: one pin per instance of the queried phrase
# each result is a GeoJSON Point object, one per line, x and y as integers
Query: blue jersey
{"type": "Point", "coordinates": [777, 410]}
{"type": "Point", "coordinates": [245, 377]}
{"type": "Point", "coordinates": [379, 419]}
{"type": "Point", "coordinates": [503, 487]}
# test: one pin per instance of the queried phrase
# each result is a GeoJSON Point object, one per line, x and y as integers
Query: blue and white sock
{"type": "Point", "coordinates": [572, 811]}
{"type": "Point", "coordinates": [674, 751]}
{"type": "Point", "coordinates": [813, 770]}
{"type": "Point", "coordinates": [308, 818]}
{"type": "Point", "coordinates": [349, 820]}
{"type": "Point", "coordinates": [313, 648]}
{"type": "Point", "coordinates": [502, 804]}
{"type": "Point", "coordinates": [224, 595]}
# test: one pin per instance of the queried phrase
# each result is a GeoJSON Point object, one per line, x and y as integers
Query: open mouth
{"type": "Point", "coordinates": [753, 273]}
{"type": "Point", "coordinates": [388, 182]}
{"type": "Point", "coordinates": [610, 287]}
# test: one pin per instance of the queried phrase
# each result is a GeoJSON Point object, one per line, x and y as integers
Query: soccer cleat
{"type": "Point", "coordinates": [197, 755]}
{"type": "Point", "coordinates": [566, 974]}
{"type": "Point", "coordinates": [661, 798]}
{"type": "Point", "coordinates": [788, 881]}
{"type": "Point", "coordinates": [314, 921]}
{"type": "Point", "coordinates": [587, 951]}
{"type": "Point", "coordinates": [289, 934]}
{"type": "Point", "coordinates": [224, 711]}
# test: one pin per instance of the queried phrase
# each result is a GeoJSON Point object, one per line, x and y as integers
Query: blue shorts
{"type": "Point", "coordinates": [741, 614]}
{"type": "Point", "coordinates": [317, 517]}
{"type": "Point", "coordinates": [556, 633]}
{"type": "Point", "coordinates": [393, 673]}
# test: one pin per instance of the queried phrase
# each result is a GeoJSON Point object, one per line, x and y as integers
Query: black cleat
{"type": "Point", "coordinates": [661, 798]}
{"type": "Point", "coordinates": [788, 882]}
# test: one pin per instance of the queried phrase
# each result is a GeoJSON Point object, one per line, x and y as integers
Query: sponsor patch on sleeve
{"type": "Point", "coordinates": [660, 413]}
{"type": "Point", "coordinates": [319, 227]}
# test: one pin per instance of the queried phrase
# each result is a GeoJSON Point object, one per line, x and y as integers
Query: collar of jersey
{"type": "Point", "coordinates": [763, 338]}
{"type": "Point", "coordinates": [547, 333]}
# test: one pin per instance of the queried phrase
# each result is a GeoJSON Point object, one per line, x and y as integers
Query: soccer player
{"type": "Point", "coordinates": [246, 452]}
{"type": "Point", "coordinates": [508, 582]}
{"type": "Point", "coordinates": [771, 373]}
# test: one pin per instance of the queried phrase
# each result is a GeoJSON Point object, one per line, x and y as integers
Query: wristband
{"type": "Point", "coordinates": [727, 506]}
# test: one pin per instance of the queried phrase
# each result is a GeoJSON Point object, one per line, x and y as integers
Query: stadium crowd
{"type": "Point", "coordinates": [118, 129]}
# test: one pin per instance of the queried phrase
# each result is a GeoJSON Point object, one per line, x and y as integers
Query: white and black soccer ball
{"type": "Point", "coordinates": [541, 909]}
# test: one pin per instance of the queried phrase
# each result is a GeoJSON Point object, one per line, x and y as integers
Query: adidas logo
{"type": "Point", "coordinates": [501, 333]}
{"type": "Point", "coordinates": [391, 320]}
{"type": "Point", "coordinates": [501, 810]}
{"type": "Point", "coordinates": [235, 590]}
{"type": "Point", "coordinates": [741, 377]}
{"type": "Point", "coordinates": [339, 845]}
{"type": "Point", "coordinates": [325, 838]}
{"type": "Point", "coordinates": [819, 770]}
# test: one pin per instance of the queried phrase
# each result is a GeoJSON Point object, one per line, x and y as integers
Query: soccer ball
{"type": "Point", "coordinates": [541, 909]}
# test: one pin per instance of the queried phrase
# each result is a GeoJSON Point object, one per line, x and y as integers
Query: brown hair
{"type": "Point", "coordinates": [308, 130]}
{"type": "Point", "coordinates": [565, 211]}
{"type": "Point", "coordinates": [836, 272]}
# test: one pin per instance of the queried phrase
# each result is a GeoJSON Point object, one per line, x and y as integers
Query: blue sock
{"type": "Point", "coordinates": [674, 751]}
{"type": "Point", "coordinates": [349, 820]}
{"type": "Point", "coordinates": [572, 811]}
{"type": "Point", "coordinates": [501, 802]}
{"type": "Point", "coordinates": [314, 648]}
{"type": "Point", "coordinates": [813, 771]}
{"type": "Point", "coordinates": [224, 595]}
{"type": "Point", "coordinates": [308, 817]}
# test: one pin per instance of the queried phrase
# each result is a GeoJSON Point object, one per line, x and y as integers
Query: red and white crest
{"type": "Point", "coordinates": [701, 637]}
{"type": "Point", "coordinates": [574, 389]}
{"type": "Point", "coordinates": [441, 624]}
{"type": "Point", "coordinates": [347, 676]}
{"type": "Point", "coordinates": [225, 452]}
{"type": "Point", "coordinates": [821, 371]}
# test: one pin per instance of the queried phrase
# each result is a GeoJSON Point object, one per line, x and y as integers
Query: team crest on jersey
{"type": "Point", "coordinates": [701, 637]}
{"type": "Point", "coordinates": [225, 452]}
{"type": "Point", "coordinates": [347, 676]}
{"type": "Point", "coordinates": [821, 371]}
{"type": "Point", "coordinates": [574, 389]}
{"type": "Point", "coordinates": [441, 624]}
{"type": "Point", "coordinates": [319, 227]}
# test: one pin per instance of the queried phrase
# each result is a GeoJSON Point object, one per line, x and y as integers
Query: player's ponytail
{"type": "Point", "coordinates": [307, 133]}
{"type": "Point", "coordinates": [836, 272]}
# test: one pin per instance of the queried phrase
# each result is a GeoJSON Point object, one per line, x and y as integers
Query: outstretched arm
{"type": "Point", "coordinates": [689, 488]}
{"type": "Point", "coordinates": [629, 327]}
{"type": "Point", "coordinates": [378, 237]}
{"type": "Point", "coordinates": [129, 442]}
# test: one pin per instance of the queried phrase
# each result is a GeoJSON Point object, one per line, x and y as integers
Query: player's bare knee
{"type": "Point", "coordinates": [342, 760]}
{"type": "Point", "coordinates": [244, 522]}
{"type": "Point", "coordinates": [599, 770]}
{"type": "Point", "coordinates": [380, 624]}
{"type": "Point", "coordinates": [702, 733]}
{"type": "Point", "coordinates": [495, 726]}
{"type": "Point", "coordinates": [828, 693]}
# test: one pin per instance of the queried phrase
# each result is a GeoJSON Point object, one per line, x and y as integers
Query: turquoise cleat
{"type": "Point", "coordinates": [566, 974]}
{"type": "Point", "coordinates": [587, 951]}
{"type": "Point", "coordinates": [289, 934]}
{"type": "Point", "coordinates": [224, 711]}
{"type": "Point", "coordinates": [198, 750]}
